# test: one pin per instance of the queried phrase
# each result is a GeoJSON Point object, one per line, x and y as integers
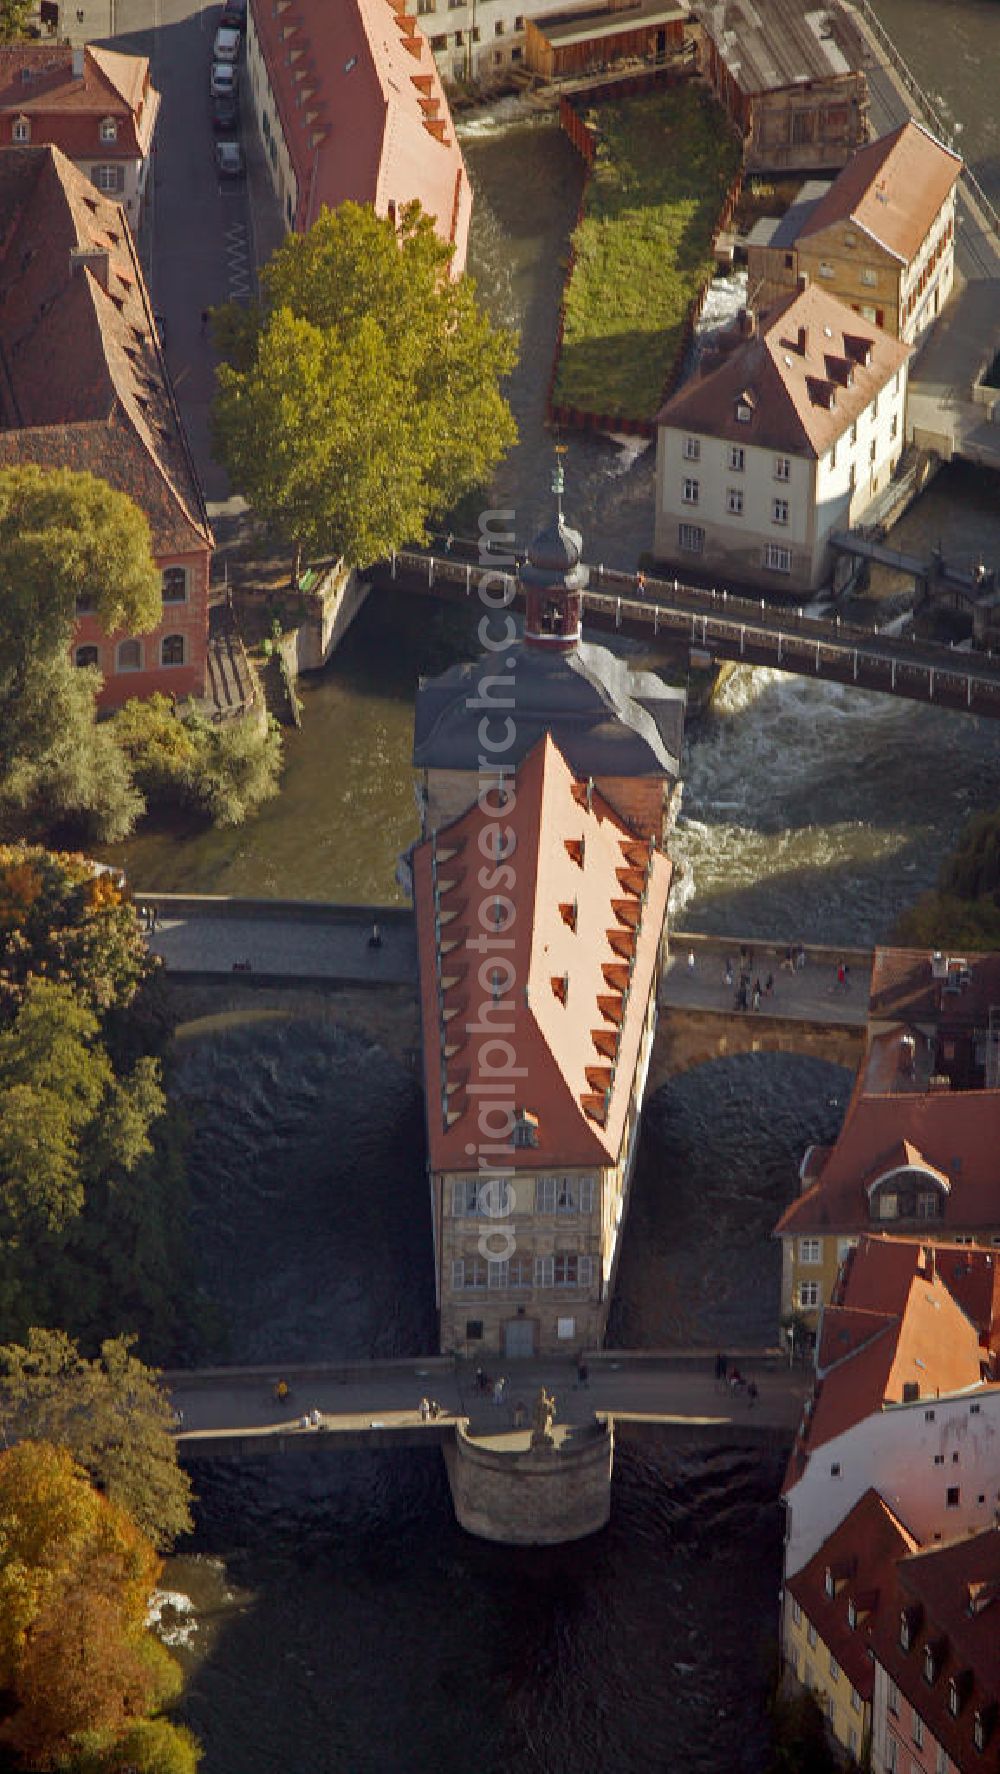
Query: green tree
{"type": "Point", "coordinates": [222, 771]}
{"type": "Point", "coordinates": [77, 1663]}
{"type": "Point", "coordinates": [67, 541]}
{"type": "Point", "coordinates": [363, 398]}
{"type": "Point", "coordinates": [63, 769]}
{"type": "Point", "coordinates": [149, 1746]}
{"type": "Point", "coordinates": [14, 16]}
{"type": "Point", "coordinates": [113, 1417]}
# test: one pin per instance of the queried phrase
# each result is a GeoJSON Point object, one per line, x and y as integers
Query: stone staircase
{"type": "Point", "coordinates": [232, 686]}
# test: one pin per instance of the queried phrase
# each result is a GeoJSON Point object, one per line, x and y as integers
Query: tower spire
{"type": "Point", "coordinates": [559, 480]}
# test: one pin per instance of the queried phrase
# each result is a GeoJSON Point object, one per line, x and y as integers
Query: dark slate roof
{"type": "Point", "coordinates": [606, 718]}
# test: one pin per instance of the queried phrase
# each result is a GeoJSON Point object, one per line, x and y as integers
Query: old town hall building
{"type": "Point", "coordinates": [549, 772]}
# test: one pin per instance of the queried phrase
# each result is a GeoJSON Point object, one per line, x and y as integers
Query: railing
{"type": "Point", "coordinates": [925, 105]}
{"type": "Point", "coordinates": [742, 627]}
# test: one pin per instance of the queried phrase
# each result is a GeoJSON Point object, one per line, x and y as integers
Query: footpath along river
{"type": "Point", "coordinates": [330, 1615]}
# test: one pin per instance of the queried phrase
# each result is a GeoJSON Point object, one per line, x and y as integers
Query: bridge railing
{"type": "Point", "coordinates": [787, 636]}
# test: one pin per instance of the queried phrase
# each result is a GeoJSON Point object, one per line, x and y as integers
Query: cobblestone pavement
{"type": "Point", "coordinates": [286, 950]}
{"type": "Point", "coordinates": [808, 994]}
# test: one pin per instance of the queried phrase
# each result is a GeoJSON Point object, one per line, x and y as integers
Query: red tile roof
{"type": "Point", "coordinates": [589, 903]}
{"type": "Point", "coordinates": [363, 111]}
{"type": "Point", "coordinates": [83, 383]}
{"type": "Point", "coordinates": [891, 190]}
{"type": "Point", "coordinates": [37, 82]}
{"type": "Point", "coordinates": [904, 988]}
{"type": "Point", "coordinates": [861, 1557]}
{"type": "Point", "coordinates": [813, 367]}
{"type": "Point", "coordinates": [952, 1134]}
{"type": "Point", "coordinates": [950, 1595]}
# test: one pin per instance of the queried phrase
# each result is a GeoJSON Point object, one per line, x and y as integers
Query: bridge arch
{"type": "Point", "coordinates": [686, 1038]}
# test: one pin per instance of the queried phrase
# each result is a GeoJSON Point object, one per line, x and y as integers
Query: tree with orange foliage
{"type": "Point", "coordinates": [77, 1662]}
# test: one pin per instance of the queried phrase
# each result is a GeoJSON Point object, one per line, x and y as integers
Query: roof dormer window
{"type": "Point", "coordinates": [829, 1585]}
{"type": "Point", "coordinates": [21, 131]}
{"type": "Point", "coordinates": [525, 1129]}
{"type": "Point", "coordinates": [930, 1664]}
{"type": "Point", "coordinates": [109, 129]}
{"type": "Point", "coordinates": [852, 1615]}
{"type": "Point", "coordinates": [954, 1698]}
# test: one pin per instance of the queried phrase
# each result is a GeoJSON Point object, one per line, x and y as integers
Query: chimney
{"type": "Point", "coordinates": [802, 281]}
{"type": "Point", "coordinates": [803, 340]}
{"type": "Point", "coordinates": [78, 55]}
{"type": "Point", "coordinates": [96, 258]}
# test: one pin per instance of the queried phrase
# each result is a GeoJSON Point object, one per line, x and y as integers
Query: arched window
{"type": "Point", "coordinates": [175, 585]}
{"type": "Point", "coordinates": [87, 656]}
{"type": "Point", "coordinates": [129, 656]}
{"type": "Point", "coordinates": [172, 649]}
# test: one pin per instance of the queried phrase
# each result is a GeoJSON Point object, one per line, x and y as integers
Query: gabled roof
{"type": "Point", "coordinates": [567, 988]}
{"type": "Point", "coordinates": [363, 111]}
{"type": "Point", "coordinates": [801, 380]}
{"type": "Point", "coordinates": [785, 44]}
{"type": "Point", "coordinates": [83, 382]}
{"type": "Point", "coordinates": [892, 190]}
{"type": "Point", "coordinates": [861, 1557]}
{"type": "Point", "coordinates": [895, 1334]}
{"type": "Point", "coordinates": [956, 1135]}
{"type": "Point", "coordinates": [950, 1595]}
{"type": "Point", "coordinates": [37, 81]}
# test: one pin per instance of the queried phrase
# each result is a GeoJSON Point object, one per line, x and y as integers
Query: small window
{"type": "Point", "coordinates": [855, 1700]}
{"type": "Point", "coordinates": [519, 22]}
{"type": "Point", "coordinates": [829, 1586]}
{"type": "Point", "coordinates": [835, 1469]}
{"type": "Point", "coordinates": [109, 178]}
{"type": "Point", "coordinates": [852, 1614]}
{"type": "Point", "coordinates": [892, 1699]}
{"type": "Point", "coordinates": [782, 468]}
{"type": "Point", "coordinates": [779, 560]}
{"type": "Point", "coordinates": [930, 1664]}
{"type": "Point", "coordinates": [854, 432]}
{"type": "Point", "coordinates": [888, 1205]}
{"type": "Point", "coordinates": [691, 538]}
{"type": "Point", "coordinates": [21, 131]}
{"type": "Point", "coordinates": [439, 43]}
{"type": "Point", "coordinates": [174, 588]}
{"type": "Point", "coordinates": [498, 28]}
{"type": "Point", "coordinates": [744, 414]}
{"type": "Point", "coordinates": [734, 501]}
{"type": "Point", "coordinates": [894, 426]}
{"type": "Point", "coordinates": [929, 1416]}
{"type": "Point", "coordinates": [109, 129]}
{"type": "Point", "coordinates": [869, 276]}
{"type": "Point", "coordinates": [811, 1636]}
{"type": "Point", "coordinates": [691, 449]}
{"type": "Point", "coordinates": [129, 656]}
{"type": "Point", "coordinates": [736, 456]}
{"type": "Point", "coordinates": [690, 492]}
{"type": "Point", "coordinates": [939, 1459]}
{"type": "Point", "coordinates": [825, 268]}
{"type": "Point", "coordinates": [172, 649]}
{"type": "Point", "coordinates": [954, 1698]}
{"type": "Point", "coordinates": [473, 1330]}
{"type": "Point", "coordinates": [810, 1250]}
{"type": "Point", "coordinates": [87, 656]}
{"type": "Point", "coordinates": [918, 1729]}
{"type": "Point", "coordinates": [974, 1410]}
{"type": "Point", "coordinates": [779, 511]}
{"type": "Point", "coordinates": [808, 1294]}
{"type": "Point", "coordinates": [834, 1668]}
{"type": "Point", "coordinates": [953, 1496]}
{"type": "Point", "coordinates": [796, 1612]}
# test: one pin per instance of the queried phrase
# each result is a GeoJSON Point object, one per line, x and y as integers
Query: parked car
{"type": "Point", "coordinates": [229, 160]}
{"type": "Point", "coordinates": [234, 14]}
{"type": "Point", "coordinates": [226, 47]}
{"type": "Point", "coordinates": [224, 80]}
{"type": "Point", "coordinates": [225, 113]}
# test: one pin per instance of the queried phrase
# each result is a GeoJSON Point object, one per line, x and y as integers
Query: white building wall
{"type": "Point", "coordinates": [912, 1454]}
{"type": "Point", "coordinates": [479, 38]}
{"type": "Point", "coordinates": [265, 110]}
{"type": "Point", "coordinates": [939, 284]}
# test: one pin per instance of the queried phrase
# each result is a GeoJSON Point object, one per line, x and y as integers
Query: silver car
{"type": "Point", "coordinates": [224, 80]}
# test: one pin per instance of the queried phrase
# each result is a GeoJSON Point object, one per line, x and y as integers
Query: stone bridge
{"type": "Point", "coordinates": [503, 1488]}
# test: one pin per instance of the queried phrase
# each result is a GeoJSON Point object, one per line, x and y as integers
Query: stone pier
{"type": "Point", "coordinates": [505, 1489]}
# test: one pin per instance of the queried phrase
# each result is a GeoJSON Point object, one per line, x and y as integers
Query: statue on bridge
{"type": "Point", "coordinates": [544, 1417]}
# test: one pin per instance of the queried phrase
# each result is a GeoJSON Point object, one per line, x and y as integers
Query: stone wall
{"type": "Point", "coordinates": [388, 1018]}
{"type": "Point", "coordinates": [538, 1497]}
{"type": "Point", "coordinates": [686, 1038]}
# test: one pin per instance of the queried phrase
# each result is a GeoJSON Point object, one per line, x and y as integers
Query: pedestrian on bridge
{"type": "Point", "coordinates": [721, 1369]}
{"type": "Point", "coordinates": [729, 971]}
{"type": "Point", "coordinates": [751, 1394]}
{"type": "Point", "coordinates": [499, 1388]}
{"type": "Point", "coordinates": [690, 960]}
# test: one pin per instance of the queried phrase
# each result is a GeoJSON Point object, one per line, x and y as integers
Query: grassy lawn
{"type": "Point", "coordinates": [643, 248]}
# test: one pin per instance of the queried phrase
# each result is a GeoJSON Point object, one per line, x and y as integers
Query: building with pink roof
{"type": "Point", "coordinates": [350, 107]}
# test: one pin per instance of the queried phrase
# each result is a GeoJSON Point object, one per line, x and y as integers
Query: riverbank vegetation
{"type": "Point", "coordinates": [964, 911]}
{"type": "Point", "coordinates": [362, 398]}
{"type": "Point", "coordinates": [218, 772]}
{"type": "Point", "coordinates": [92, 1184]}
{"type": "Point", "coordinates": [83, 1682]}
{"type": "Point", "coordinates": [643, 248]}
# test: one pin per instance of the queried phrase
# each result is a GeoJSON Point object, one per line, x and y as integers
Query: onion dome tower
{"type": "Point", "coordinates": [554, 579]}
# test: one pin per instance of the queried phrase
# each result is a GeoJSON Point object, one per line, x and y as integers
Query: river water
{"type": "Point", "coordinates": [329, 1614]}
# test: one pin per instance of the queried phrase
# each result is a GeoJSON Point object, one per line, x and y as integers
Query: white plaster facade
{"type": "Point", "coordinates": [917, 1456]}
{"type": "Point", "coordinates": [479, 39]}
{"type": "Point", "coordinates": [268, 121]}
{"type": "Point", "coordinates": [764, 515]}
